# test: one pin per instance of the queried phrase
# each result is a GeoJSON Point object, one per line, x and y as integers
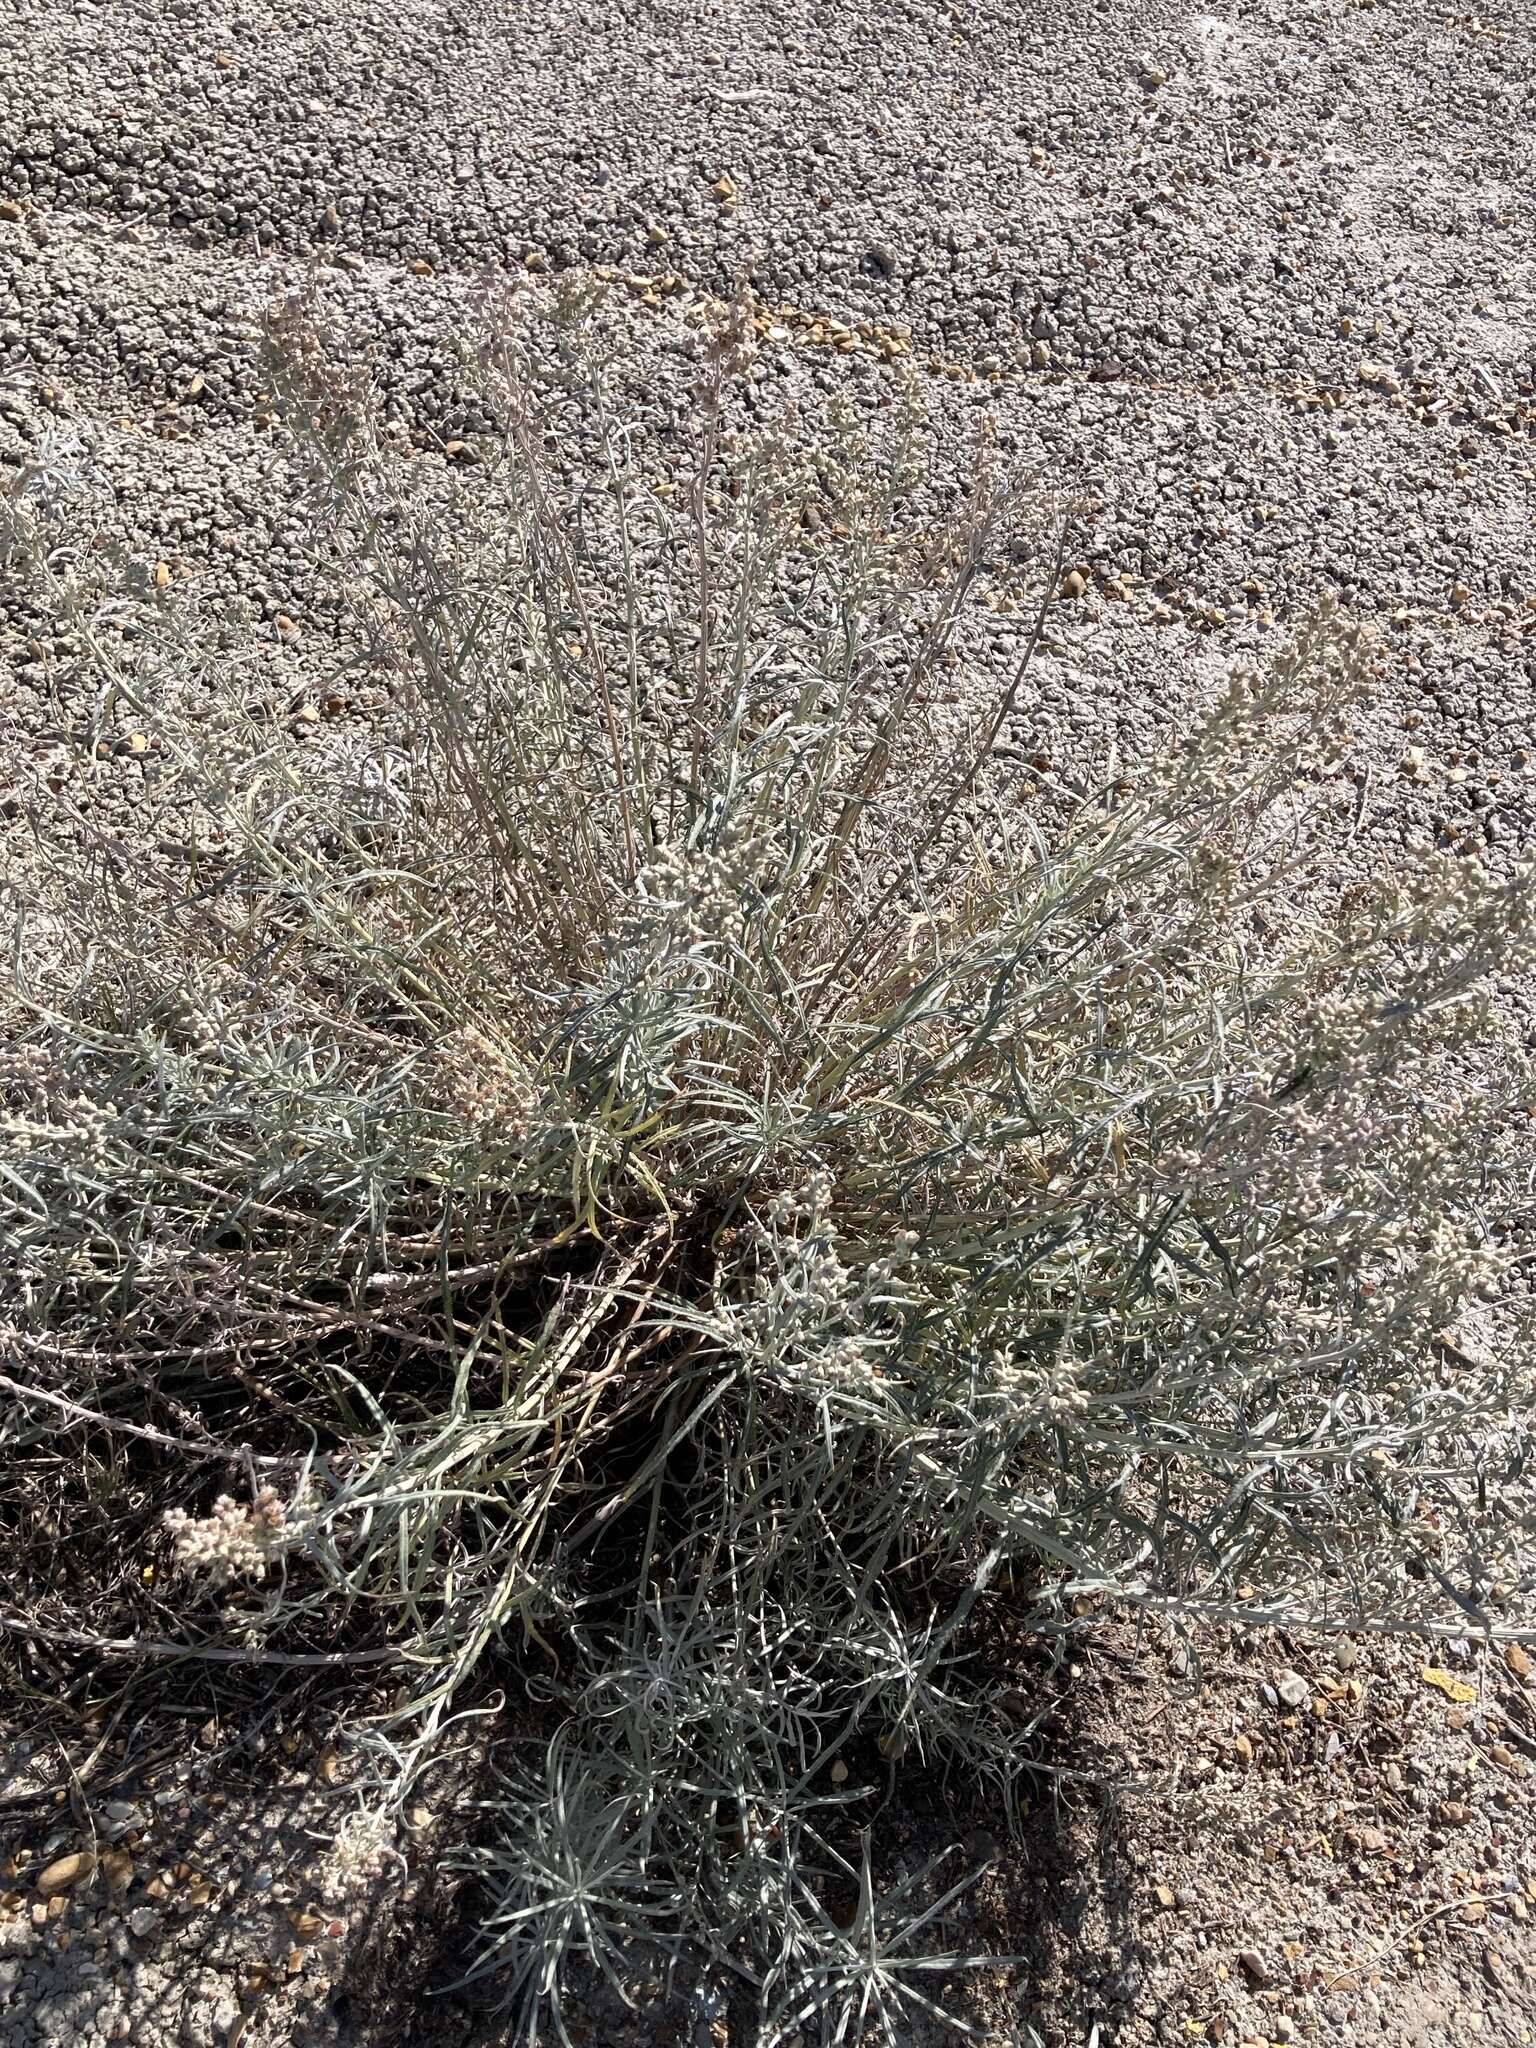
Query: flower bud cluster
{"type": "Point", "coordinates": [234, 1540]}
{"type": "Point", "coordinates": [363, 1850]}
{"type": "Point", "coordinates": [815, 1320]}
{"type": "Point", "coordinates": [1039, 1393]}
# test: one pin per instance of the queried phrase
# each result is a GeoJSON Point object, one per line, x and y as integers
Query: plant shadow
{"type": "Point", "coordinates": [1053, 1929]}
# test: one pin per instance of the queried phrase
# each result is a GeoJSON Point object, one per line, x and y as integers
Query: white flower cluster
{"type": "Point", "coordinates": [1052, 1392]}
{"type": "Point", "coordinates": [698, 893]}
{"type": "Point", "coordinates": [816, 1320]}
{"type": "Point", "coordinates": [28, 1067]}
{"type": "Point", "coordinates": [54, 1114]}
{"type": "Point", "coordinates": [78, 1123]}
{"type": "Point", "coordinates": [804, 1204]}
{"type": "Point", "coordinates": [480, 1085]}
{"type": "Point", "coordinates": [234, 1540]}
{"type": "Point", "coordinates": [364, 1848]}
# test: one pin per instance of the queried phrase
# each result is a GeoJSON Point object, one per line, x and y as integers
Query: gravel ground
{"type": "Point", "coordinates": [1254, 285]}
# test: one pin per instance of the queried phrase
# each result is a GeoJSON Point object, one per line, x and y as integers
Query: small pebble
{"type": "Point", "coordinates": [65, 1872]}
{"type": "Point", "coordinates": [1292, 1690]}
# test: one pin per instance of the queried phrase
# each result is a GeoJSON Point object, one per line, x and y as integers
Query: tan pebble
{"type": "Point", "coordinates": [723, 188]}
{"type": "Point", "coordinates": [283, 623]}
{"type": "Point", "coordinates": [9, 210]}
{"type": "Point", "coordinates": [117, 1869]}
{"type": "Point", "coordinates": [1074, 583]}
{"type": "Point", "coordinates": [839, 1773]}
{"type": "Point", "coordinates": [422, 268]}
{"type": "Point", "coordinates": [66, 1871]}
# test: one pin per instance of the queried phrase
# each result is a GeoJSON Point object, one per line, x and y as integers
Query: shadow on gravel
{"type": "Point", "coordinates": [1063, 1900]}
{"type": "Point", "coordinates": [209, 1920]}
{"type": "Point", "coordinates": [1067, 1907]}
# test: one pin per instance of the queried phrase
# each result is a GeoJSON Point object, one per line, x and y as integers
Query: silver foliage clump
{"type": "Point", "coordinates": [727, 1195]}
